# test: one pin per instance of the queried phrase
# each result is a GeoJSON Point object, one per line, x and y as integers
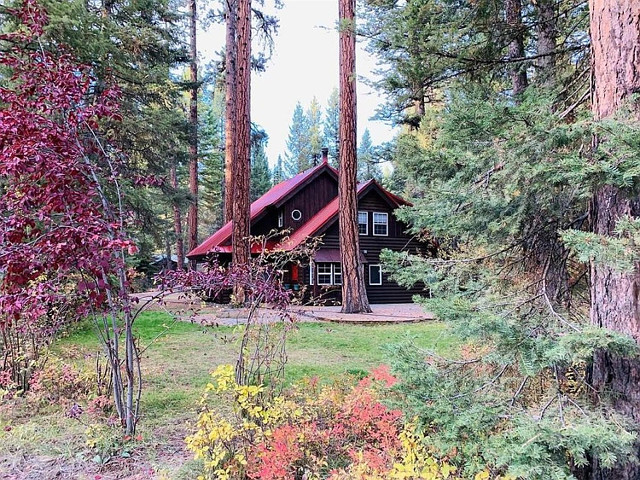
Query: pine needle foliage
{"type": "Point", "coordinates": [503, 183]}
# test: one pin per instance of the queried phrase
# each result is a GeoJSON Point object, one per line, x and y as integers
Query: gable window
{"type": "Point", "coordinates": [375, 275]}
{"type": "Point", "coordinates": [363, 223]}
{"type": "Point", "coordinates": [296, 215]}
{"type": "Point", "coordinates": [280, 218]}
{"type": "Point", "coordinates": [380, 223]}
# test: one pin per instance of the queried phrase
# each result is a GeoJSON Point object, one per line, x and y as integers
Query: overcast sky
{"type": "Point", "coordinates": [304, 65]}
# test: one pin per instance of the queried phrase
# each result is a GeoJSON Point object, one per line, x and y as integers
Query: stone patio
{"type": "Point", "coordinates": [215, 314]}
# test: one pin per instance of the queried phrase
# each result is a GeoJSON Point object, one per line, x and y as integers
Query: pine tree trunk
{"type": "Point", "coordinates": [615, 302]}
{"type": "Point", "coordinates": [230, 106]}
{"type": "Point", "coordinates": [193, 134]}
{"type": "Point", "coordinates": [354, 294]}
{"type": "Point", "coordinates": [177, 219]}
{"type": "Point", "coordinates": [513, 12]}
{"type": "Point", "coordinates": [547, 37]}
{"type": "Point", "coordinates": [242, 163]}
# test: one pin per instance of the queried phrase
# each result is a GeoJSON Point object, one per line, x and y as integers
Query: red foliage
{"type": "Point", "coordinates": [358, 428]}
{"type": "Point", "coordinates": [54, 224]}
{"type": "Point", "coordinates": [259, 280]}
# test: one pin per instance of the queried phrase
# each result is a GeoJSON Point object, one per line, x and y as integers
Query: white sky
{"type": "Point", "coordinates": [304, 65]}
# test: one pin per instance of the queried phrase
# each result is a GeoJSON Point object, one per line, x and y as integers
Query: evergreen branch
{"type": "Point", "coordinates": [483, 386]}
{"type": "Point", "coordinates": [576, 405]}
{"type": "Point", "coordinates": [433, 354]}
{"type": "Point", "coordinates": [573, 81]}
{"type": "Point", "coordinates": [519, 390]}
{"type": "Point", "coordinates": [475, 259]}
{"type": "Point", "coordinates": [548, 301]}
{"type": "Point", "coordinates": [487, 175]}
{"type": "Point", "coordinates": [544, 409]}
{"type": "Point", "coordinates": [505, 60]}
{"type": "Point", "coordinates": [580, 101]}
{"type": "Point", "coordinates": [559, 395]}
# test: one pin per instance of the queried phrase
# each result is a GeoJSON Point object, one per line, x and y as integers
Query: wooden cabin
{"type": "Point", "coordinates": [307, 206]}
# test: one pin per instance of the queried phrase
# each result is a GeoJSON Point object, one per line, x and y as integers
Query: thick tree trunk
{"type": "Point", "coordinates": [230, 106]}
{"type": "Point", "coordinates": [518, 74]}
{"type": "Point", "coordinates": [177, 219]}
{"type": "Point", "coordinates": [193, 134]}
{"type": "Point", "coordinates": [242, 163]}
{"type": "Point", "coordinates": [615, 302]}
{"type": "Point", "coordinates": [354, 294]}
{"type": "Point", "coordinates": [547, 37]}
{"type": "Point", "coordinates": [547, 253]}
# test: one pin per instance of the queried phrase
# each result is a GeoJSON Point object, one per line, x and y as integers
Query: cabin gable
{"type": "Point", "coordinates": [380, 288]}
{"type": "Point", "coordinates": [300, 208]}
{"type": "Point", "coordinates": [307, 205]}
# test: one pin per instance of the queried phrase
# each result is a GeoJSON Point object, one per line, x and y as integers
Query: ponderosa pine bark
{"type": "Point", "coordinates": [177, 218]}
{"type": "Point", "coordinates": [193, 132]}
{"type": "Point", "coordinates": [518, 74]}
{"type": "Point", "coordinates": [242, 160]}
{"type": "Point", "coordinates": [354, 294]}
{"type": "Point", "coordinates": [547, 37]}
{"type": "Point", "coordinates": [615, 296]}
{"type": "Point", "coordinates": [230, 106]}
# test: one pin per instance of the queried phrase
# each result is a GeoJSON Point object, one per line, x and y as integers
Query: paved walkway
{"type": "Point", "coordinates": [215, 314]}
{"type": "Point", "coordinates": [386, 313]}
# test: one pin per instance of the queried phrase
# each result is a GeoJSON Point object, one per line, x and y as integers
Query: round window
{"type": "Point", "coordinates": [296, 215]}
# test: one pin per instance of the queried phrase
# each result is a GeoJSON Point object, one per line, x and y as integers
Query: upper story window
{"type": "Point", "coordinates": [296, 215]}
{"type": "Point", "coordinates": [380, 223]}
{"type": "Point", "coordinates": [363, 223]}
{"type": "Point", "coordinates": [280, 219]}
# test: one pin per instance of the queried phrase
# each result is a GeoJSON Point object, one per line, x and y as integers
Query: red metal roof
{"type": "Point", "coordinates": [214, 243]}
{"type": "Point", "coordinates": [325, 216]}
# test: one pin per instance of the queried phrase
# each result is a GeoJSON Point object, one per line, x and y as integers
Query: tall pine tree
{"type": "Point", "coordinates": [368, 167]}
{"type": "Point", "coordinates": [298, 156]}
{"type": "Point", "coordinates": [330, 126]}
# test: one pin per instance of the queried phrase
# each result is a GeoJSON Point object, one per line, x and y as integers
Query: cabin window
{"type": "Point", "coordinates": [280, 218]}
{"type": "Point", "coordinates": [380, 223]}
{"type": "Point", "coordinates": [337, 274]}
{"type": "Point", "coordinates": [329, 273]}
{"type": "Point", "coordinates": [363, 223]}
{"type": "Point", "coordinates": [325, 276]}
{"type": "Point", "coordinates": [311, 274]}
{"type": "Point", "coordinates": [296, 215]}
{"type": "Point", "coordinates": [375, 275]}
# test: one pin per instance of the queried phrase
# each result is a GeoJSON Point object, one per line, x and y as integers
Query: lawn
{"type": "Point", "coordinates": [177, 359]}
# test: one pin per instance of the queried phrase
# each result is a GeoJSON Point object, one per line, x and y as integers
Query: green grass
{"type": "Point", "coordinates": [178, 356]}
{"type": "Point", "coordinates": [176, 363]}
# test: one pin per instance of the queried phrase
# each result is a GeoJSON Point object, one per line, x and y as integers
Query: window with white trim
{"type": "Point", "coordinates": [363, 223]}
{"type": "Point", "coordinates": [296, 215]}
{"type": "Point", "coordinates": [337, 274]}
{"type": "Point", "coordinates": [280, 218]}
{"type": "Point", "coordinates": [380, 223]}
{"type": "Point", "coordinates": [325, 273]}
{"type": "Point", "coordinates": [375, 275]}
{"type": "Point", "coordinates": [329, 273]}
{"type": "Point", "coordinates": [312, 274]}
